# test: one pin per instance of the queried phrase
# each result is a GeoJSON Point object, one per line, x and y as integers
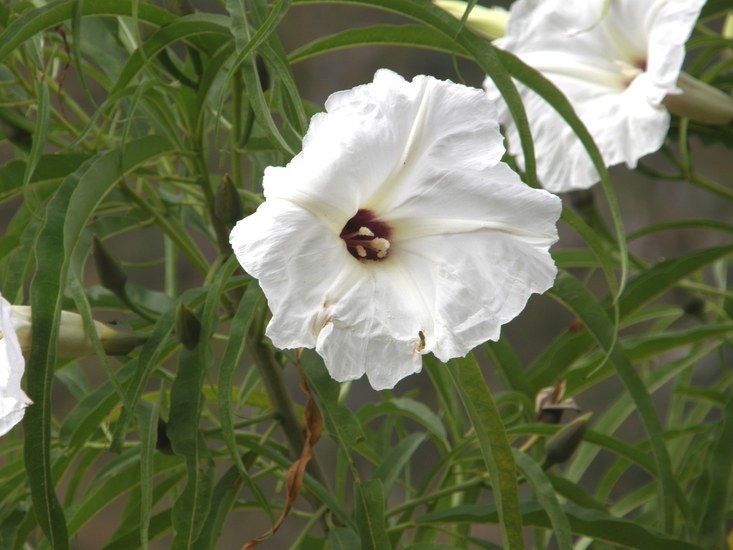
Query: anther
{"type": "Point", "coordinates": [366, 237]}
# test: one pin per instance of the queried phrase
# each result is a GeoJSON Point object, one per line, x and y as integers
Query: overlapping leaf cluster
{"type": "Point", "coordinates": [128, 122]}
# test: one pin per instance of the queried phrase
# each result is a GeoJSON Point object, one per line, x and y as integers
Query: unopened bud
{"type": "Point", "coordinates": [227, 203]}
{"type": "Point", "coordinates": [110, 272]}
{"type": "Point", "coordinates": [727, 31]}
{"type": "Point", "coordinates": [188, 326]}
{"type": "Point", "coordinates": [562, 445]}
{"type": "Point", "coordinates": [549, 404]}
{"type": "Point", "coordinates": [73, 340]}
{"type": "Point", "coordinates": [262, 73]}
{"type": "Point", "coordinates": [582, 199]}
{"type": "Point", "coordinates": [488, 22]}
{"type": "Point", "coordinates": [162, 442]}
{"type": "Point", "coordinates": [700, 102]}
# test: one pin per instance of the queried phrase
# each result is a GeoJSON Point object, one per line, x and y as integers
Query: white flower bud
{"type": "Point", "coordinates": [488, 22]}
{"type": "Point", "coordinates": [73, 341]}
{"type": "Point", "coordinates": [700, 102]}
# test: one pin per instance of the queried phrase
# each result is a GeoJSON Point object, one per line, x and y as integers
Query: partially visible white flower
{"type": "Point", "coordinates": [615, 60]}
{"type": "Point", "coordinates": [397, 231]}
{"type": "Point", "coordinates": [488, 22]}
{"type": "Point", "coordinates": [13, 400]}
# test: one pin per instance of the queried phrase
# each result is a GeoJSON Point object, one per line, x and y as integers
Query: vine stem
{"type": "Point", "coordinates": [271, 374]}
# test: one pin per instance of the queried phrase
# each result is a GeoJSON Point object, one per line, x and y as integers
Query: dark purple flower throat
{"type": "Point", "coordinates": [366, 237]}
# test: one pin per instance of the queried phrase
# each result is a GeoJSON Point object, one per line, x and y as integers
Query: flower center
{"type": "Point", "coordinates": [630, 71]}
{"type": "Point", "coordinates": [366, 237]}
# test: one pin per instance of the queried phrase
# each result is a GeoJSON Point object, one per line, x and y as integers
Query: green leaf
{"type": "Point", "coordinates": [416, 36]}
{"type": "Point", "coordinates": [410, 408]}
{"type": "Point", "coordinates": [598, 246]}
{"type": "Point", "coordinates": [223, 499]}
{"type": "Point", "coordinates": [509, 365]}
{"type": "Point", "coordinates": [645, 347]}
{"type": "Point", "coordinates": [192, 507]}
{"type": "Point", "coordinates": [90, 412]}
{"type": "Point", "coordinates": [342, 538]}
{"type": "Point", "coordinates": [370, 515]}
{"type": "Point", "coordinates": [55, 13]}
{"type": "Point", "coordinates": [39, 133]}
{"type": "Point", "coordinates": [493, 442]}
{"type": "Point", "coordinates": [639, 291]}
{"type": "Point", "coordinates": [112, 484]}
{"type": "Point", "coordinates": [578, 299]}
{"type": "Point", "coordinates": [155, 346]}
{"type": "Point", "coordinates": [66, 214]}
{"type": "Point", "coordinates": [396, 459]}
{"type": "Point", "coordinates": [594, 524]}
{"type": "Point", "coordinates": [238, 331]}
{"type": "Point", "coordinates": [147, 421]}
{"type": "Point", "coordinates": [665, 275]}
{"type": "Point", "coordinates": [159, 524]}
{"type": "Point", "coordinates": [711, 495]}
{"type": "Point", "coordinates": [181, 28]}
{"type": "Point", "coordinates": [546, 497]}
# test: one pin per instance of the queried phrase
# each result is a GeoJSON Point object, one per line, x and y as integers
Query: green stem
{"type": "Point", "coordinates": [237, 91]}
{"type": "Point", "coordinates": [713, 187]}
{"type": "Point", "coordinates": [197, 259]}
{"type": "Point", "coordinates": [271, 374]}
{"type": "Point", "coordinates": [435, 495]}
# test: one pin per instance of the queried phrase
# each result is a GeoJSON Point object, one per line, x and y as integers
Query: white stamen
{"type": "Point", "coordinates": [365, 232]}
{"type": "Point", "coordinates": [381, 246]}
{"type": "Point", "coordinates": [361, 251]}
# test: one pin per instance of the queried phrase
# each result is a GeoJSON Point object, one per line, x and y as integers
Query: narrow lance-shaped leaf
{"type": "Point", "coordinates": [80, 193]}
{"type": "Point", "coordinates": [493, 442]}
{"type": "Point", "coordinates": [191, 508]}
{"type": "Point", "coordinates": [580, 301]}
{"type": "Point", "coordinates": [369, 513]}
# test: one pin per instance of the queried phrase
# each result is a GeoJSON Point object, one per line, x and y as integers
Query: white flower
{"type": "Point", "coordinates": [615, 60]}
{"type": "Point", "coordinates": [397, 231]}
{"type": "Point", "coordinates": [13, 400]}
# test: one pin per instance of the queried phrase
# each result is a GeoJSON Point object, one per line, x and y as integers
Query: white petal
{"type": "Point", "coordinates": [477, 274]}
{"type": "Point", "coordinates": [374, 328]}
{"type": "Point", "coordinates": [592, 55]}
{"type": "Point", "coordinates": [296, 258]}
{"type": "Point", "coordinates": [469, 198]}
{"type": "Point", "coordinates": [377, 141]}
{"type": "Point", "coordinates": [671, 28]}
{"type": "Point", "coordinates": [13, 400]}
{"type": "Point", "coordinates": [624, 126]}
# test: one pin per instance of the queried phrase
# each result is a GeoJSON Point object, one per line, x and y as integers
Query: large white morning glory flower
{"type": "Point", "coordinates": [397, 231]}
{"type": "Point", "coordinates": [615, 60]}
{"type": "Point", "coordinates": [13, 400]}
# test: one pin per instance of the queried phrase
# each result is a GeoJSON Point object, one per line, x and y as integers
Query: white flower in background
{"type": "Point", "coordinates": [397, 231]}
{"type": "Point", "coordinates": [488, 22]}
{"type": "Point", "coordinates": [616, 61]}
{"type": "Point", "coordinates": [13, 400]}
